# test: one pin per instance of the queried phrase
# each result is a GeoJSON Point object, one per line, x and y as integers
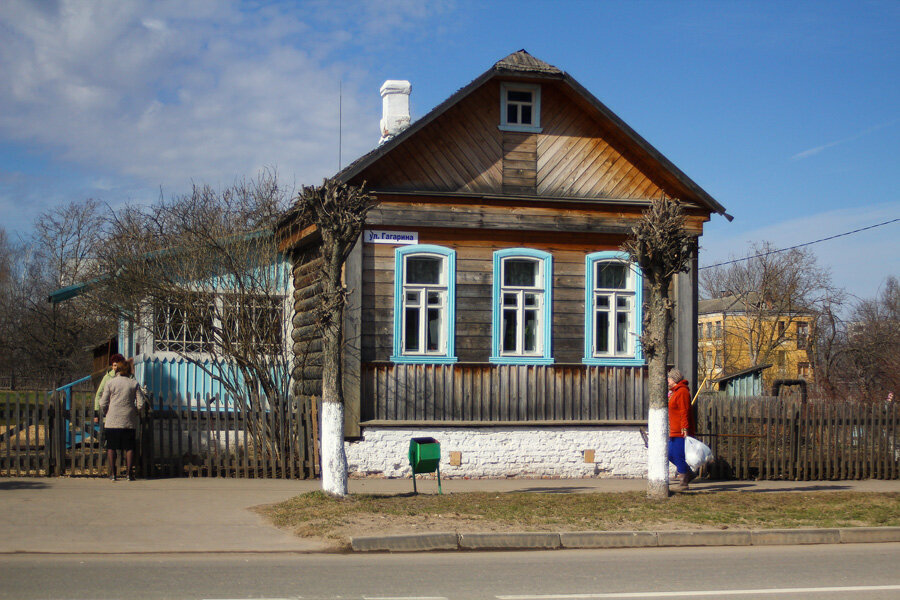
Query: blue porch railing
{"type": "Point", "coordinates": [90, 429]}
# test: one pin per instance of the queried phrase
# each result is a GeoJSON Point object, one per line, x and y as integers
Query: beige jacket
{"type": "Point", "coordinates": [121, 400]}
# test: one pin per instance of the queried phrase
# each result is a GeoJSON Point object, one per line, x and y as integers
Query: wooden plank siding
{"type": "Point", "coordinates": [519, 162]}
{"type": "Point", "coordinates": [474, 276]}
{"type": "Point", "coordinates": [462, 150]}
{"type": "Point", "coordinates": [459, 151]}
{"type": "Point", "coordinates": [477, 393]}
{"type": "Point", "coordinates": [418, 213]}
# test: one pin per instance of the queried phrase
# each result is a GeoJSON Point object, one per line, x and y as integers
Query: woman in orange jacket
{"type": "Point", "coordinates": [681, 423]}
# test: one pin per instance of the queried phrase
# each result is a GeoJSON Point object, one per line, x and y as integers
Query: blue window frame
{"type": "Point", "coordinates": [520, 107]}
{"type": "Point", "coordinates": [522, 307]}
{"type": "Point", "coordinates": [613, 305]}
{"type": "Point", "coordinates": [424, 305]}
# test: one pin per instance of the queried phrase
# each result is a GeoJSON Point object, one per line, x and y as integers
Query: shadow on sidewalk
{"type": "Point", "coordinates": [557, 490]}
{"type": "Point", "coordinates": [724, 486]}
{"type": "Point", "coordinates": [19, 484]}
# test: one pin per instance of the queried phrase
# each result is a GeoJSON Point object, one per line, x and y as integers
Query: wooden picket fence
{"type": "Point", "coordinates": [772, 438]}
{"type": "Point", "coordinates": [40, 436]}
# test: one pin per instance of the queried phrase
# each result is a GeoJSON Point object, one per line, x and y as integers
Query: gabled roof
{"type": "Point", "coordinates": [721, 304]}
{"type": "Point", "coordinates": [523, 64]}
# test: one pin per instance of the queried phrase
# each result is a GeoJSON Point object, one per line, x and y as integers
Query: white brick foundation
{"type": "Point", "coordinates": [505, 452]}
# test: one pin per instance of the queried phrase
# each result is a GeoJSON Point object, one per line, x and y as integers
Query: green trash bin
{"type": "Point", "coordinates": [425, 457]}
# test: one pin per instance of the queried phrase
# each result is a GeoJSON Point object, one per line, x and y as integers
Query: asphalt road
{"type": "Point", "coordinates": [864, 571]}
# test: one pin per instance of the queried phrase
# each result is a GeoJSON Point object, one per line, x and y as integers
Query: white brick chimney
{"type": "Point", "coordinates": [394, 108]}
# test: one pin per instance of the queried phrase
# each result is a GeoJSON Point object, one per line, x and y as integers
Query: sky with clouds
{"type": "Point", "coordinates": [786, 113]}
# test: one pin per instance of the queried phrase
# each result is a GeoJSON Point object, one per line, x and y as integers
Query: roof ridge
{"type": "Point", "coordinates": [522, 61]}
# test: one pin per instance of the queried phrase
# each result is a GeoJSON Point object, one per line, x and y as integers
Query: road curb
{"type": "Point", "coordinates": [417, 542]}
{"type": "Point", "coordinates": [863, 535]}
{"type": "Point", "coordinates": [609, 539]}
{"type": "Point", "coordinates": [793, 537]}
{"type": "Point", "coordinates": [509, 541]}
{"type": "Point", "coordinates": [424, 542]}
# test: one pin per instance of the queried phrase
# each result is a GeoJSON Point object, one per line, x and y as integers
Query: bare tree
{"type": "Point", "coordinates": [829, 348]}
{"type": "Point", "coordinates": [662, 248]}
{"type": "Point", "coordinates": [201, 276]}
{"type": "Point", "coordinates": [872, 364]}
{"type": "Point", "coordinates": [771, 292]}
{"type": "Point", "coordinates": [339, 213]}
{"type": "Point", "coordinates": [9, 313]}
{"type": "Point", "coordinates": [61, 251]}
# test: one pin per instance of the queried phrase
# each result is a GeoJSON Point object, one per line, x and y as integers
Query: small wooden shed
{"type": "Point", "coordinates": [748, 382]}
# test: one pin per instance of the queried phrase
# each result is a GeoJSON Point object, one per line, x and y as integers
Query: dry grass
{"type": "Point", "coordinates": [318, 515]}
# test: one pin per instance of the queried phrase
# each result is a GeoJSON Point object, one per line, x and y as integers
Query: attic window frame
{"type": "Point", "coordinates": [535, 90]}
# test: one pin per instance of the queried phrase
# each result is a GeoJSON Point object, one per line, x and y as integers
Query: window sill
{"type": "Point", "coordinates": [424, 360]}
{"type": "Point", "coordinates": [614, 362]}
{"type": "Point", "coordinates": [520, 360]}
{"type": "Point", "coordinates": [520, 128]}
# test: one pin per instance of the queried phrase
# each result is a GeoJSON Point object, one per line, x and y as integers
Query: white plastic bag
{"type": "Point", "coordinates": [696, 453]}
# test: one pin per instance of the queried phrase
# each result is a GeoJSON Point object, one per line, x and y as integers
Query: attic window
{"type": "Point", "coordinates": [520, 107]}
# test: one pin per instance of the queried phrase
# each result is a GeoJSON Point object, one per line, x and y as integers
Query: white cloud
{"type": "Point", "coordinates": [858, 262]}
{"type": "Point", "coordinates": [162, 93]}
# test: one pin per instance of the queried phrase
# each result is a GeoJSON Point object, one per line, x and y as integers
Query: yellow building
{"type": "Point", "coordinates": [734, 335]}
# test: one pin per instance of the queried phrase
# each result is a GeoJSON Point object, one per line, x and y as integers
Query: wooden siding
{"type": "Point", "coordinates": [503, 393]}
{"type": "Point", "coordinates": [577, 158]}
{"type": "Point", "coordinates": [474, 276]}
{"type": "Point", "coordinates": [519, 162]}
{"type": "Point", "coordinates": [462, 150]}
{"type": "Point", "coordinates": [459, 151]}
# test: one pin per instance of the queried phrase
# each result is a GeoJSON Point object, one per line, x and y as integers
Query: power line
{"type": "Point", "coordinates": [737, 260]}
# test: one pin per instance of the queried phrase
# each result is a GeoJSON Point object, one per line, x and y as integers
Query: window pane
{"type": "Point", "coordinates": [509, 330]}
{"type": "Point", "coordinates": [531, 321]}
{"type": "Point", "coordinates": [510, 300]}
{"type": "Point", "coordinates": [434, 329]}
{"type": "Point", "coordinates": [622, 302]}
{"type": "Point", "coordinates": [520, 272]}
{"type": "Point", "coordinates": [530, 299]}
{"type": "Point", "coordinates": [623, 326]}
{"type": "Point", "coordinates": [434, 298]}
{"type": "Point", "coordinates": [601, 333]}
{"type": "Point", "coordinates": [411, 341]}
{"type": "Point", "coordinates": [526, 114]}
{"type": "Point", "coordinates": [602, 301]}
{"type": "Point", "coordinates": [512, 113]}
{"type": "Point", "coordinates": [611, 276]}
{"type": "Point", "coordinates": [422, 269]}
{"type": "Point", "coordinates": [518, 96]}
{"type": "Point", "coordinates": [412, 298]}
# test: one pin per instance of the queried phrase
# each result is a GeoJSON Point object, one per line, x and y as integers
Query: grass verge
{"type": "Point", "coordinates": [318, 515]}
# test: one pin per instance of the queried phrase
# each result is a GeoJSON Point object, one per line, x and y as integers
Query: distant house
{"type": "Point", "coordinates": [177, 344]}
{"type": "Point", "coordinates": [736, 334]}
{"type": "Point", "coordinates": [490, 306]}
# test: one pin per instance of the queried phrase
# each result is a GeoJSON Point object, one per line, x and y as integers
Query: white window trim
{"type": "Point", "coordinates": [535, 126]}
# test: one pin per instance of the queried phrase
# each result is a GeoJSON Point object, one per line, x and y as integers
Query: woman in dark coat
{"type": "Point", "coordinates": [121, 401]}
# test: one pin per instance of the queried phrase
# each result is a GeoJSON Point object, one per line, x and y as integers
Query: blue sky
{"type": "Point", "coordinates": [786, 112]}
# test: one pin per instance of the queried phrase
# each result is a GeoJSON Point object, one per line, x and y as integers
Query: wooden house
{"type": "Point", "coordinates": [490, 306]}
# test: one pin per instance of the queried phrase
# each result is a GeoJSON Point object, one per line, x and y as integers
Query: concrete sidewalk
{"type": "Point", "coordinates": [81, 515]}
